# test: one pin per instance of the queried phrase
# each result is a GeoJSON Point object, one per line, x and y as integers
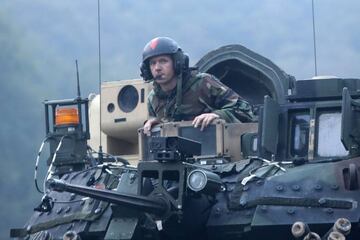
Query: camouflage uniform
{"type": "Point", "coordinates": [201, 93]}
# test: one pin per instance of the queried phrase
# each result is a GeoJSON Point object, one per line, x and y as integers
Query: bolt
{"type": "Point", "coordinates": [334, 187]}
{"type": "Point", "coordinates": [91, 201]}
{"type": "Point", "coordinates": [329, 210]}
{"type": "Point", "coordinates": [82, 202]}
{"type": "Point", "coordinates": [279, 188]}
{"type": "Point", "coordinates": [41, 213]}
{"type": "Point", "coordinates": [290, 211]}
{"type": "Point", "coordinates": [72, 196]}
{"type": "Point", "coordinates": [59, 210]}
{"type": "Point", "coordinates": [245, 188]}
{"type": "Point", "coordinates": [28, 228]}
{"type": "Point", "coordinates": [318, 187]}
{"type": "Point", "coordinates": [295, 188]}
{"type": "Point", "coordinates": [243, 202]}
{"type": "Point", "coordinates": [67, 209]}
{"type": "Point", "coordinates": [259, 182]}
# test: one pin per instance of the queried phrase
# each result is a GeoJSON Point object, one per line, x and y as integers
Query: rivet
{"type": "Point", "coordinates": [279, 188]}
{"type": "Point", "coordinates": [290, 211]}
{"type": "Point", "coordinates": [72, 196]}
{"type": "Point", "coordinates": [67, 209]}
{"type": "Point", "coordinates": [329, 210]}
{"type": "Point", "coordinates": [59, 210]}
{"type": "Point", "coordinates": [334, 187]}
{"type": "Point", "coordinates": [295, 188]}
{"type": "Point", "coordinates": [318, 187]}
{"type": "Point", "coordinates": [259, 182]}
{"type": "Point", "coordinates": [245, 188]}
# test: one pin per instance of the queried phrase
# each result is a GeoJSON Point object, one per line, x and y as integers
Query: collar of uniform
{"type": "Point", "coordinates": [161, 94]}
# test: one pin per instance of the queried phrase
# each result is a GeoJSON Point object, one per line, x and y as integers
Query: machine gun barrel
{"type": "Point", "coordinates": [156, 206]}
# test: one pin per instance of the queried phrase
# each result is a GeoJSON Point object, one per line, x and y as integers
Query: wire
{"type": "Point", "coordinates": [49, 172]}
{"type": "Point", "coordinates": [37, 165]}
{"type": "Point", "coordinates": [116, 158]}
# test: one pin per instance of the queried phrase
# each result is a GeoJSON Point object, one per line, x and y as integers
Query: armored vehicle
{"type": "Point", "coordinates": [294, 173]}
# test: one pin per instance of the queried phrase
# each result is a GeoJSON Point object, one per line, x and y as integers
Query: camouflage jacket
{"type": "Point", "coordinates": [201, 93]}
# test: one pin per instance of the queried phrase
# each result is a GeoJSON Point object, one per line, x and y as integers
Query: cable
{"type": "Point", "coordinates": [49, 172]}
{"type": "Point", "coordinates": [116, 158]}
{"type": "Point", "coordinates": [37, 165]}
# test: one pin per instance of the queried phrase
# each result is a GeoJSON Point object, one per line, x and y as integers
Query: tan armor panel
{"type": "Point", "coordinates": [124, 108]}
{"type": "Point", "coordinates": [226, 136]}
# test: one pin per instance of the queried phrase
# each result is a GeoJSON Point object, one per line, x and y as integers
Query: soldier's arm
{"type": "Point", "coordinates": [229, 105]}
{"type": "Point", "coordinates": [153, 120]}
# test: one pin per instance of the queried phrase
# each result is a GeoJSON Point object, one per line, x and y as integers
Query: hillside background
{"type": "Point", "coordinates": [40, 40]}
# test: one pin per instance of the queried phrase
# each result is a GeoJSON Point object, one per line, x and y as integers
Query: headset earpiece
{"type": "Point", "coordinates": [145, 71]}
{"type": "Point", "coordinates": [181, 62]}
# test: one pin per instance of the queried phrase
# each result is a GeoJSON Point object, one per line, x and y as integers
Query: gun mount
{"type": "Point", "coordinates": [154, 205]}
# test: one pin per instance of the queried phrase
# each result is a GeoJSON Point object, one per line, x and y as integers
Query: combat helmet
{"type": "Point", "coordinates": [159, 46]}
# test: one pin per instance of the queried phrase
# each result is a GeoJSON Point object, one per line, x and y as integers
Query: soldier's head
{"type": "Point", "coordinates": [162, 59]}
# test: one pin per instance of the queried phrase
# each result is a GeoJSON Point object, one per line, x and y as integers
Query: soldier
{"type": "Point", "coordinates": [182, 94]}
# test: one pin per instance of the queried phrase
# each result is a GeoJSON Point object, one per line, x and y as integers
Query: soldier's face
{"type": "Point", "coordinates": [162, 69]}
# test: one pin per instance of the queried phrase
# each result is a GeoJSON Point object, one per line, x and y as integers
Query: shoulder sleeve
{"type": "Point", "coordinates": [150, 108]}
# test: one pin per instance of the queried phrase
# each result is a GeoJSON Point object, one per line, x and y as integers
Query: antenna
{"type": "Point", "coordinates": [77, 78]}
{"type": "Point", "coordinates": [99, 40]}
{"type": "Point", "coordinates": [314, 36]}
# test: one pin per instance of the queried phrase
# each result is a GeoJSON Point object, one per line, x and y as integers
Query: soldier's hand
{"type": "Point", "coordinates": [148, 125]}
{"type": "Point", "coordinates": [204, 120]}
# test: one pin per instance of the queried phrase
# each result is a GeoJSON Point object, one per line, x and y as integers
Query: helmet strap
{"type": "Point", "coordinates": [179, 90]}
